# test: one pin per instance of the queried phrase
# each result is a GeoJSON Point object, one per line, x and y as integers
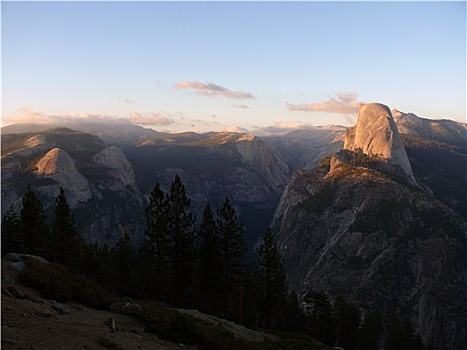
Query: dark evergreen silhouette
{"type": "Point", "coordinates": [370, 331]}
{"type": "Point", "coordinates": [157, 241]}
{"type": "Point", "coordinates": [33, 224]}
{"type": "Point", "coordinates": [272, 281]}
{"type": "Point", "coordinates": [12, 235]}
{"type": "Point", "coordinates": [180, 232]}
{"type": "Point", "coordinates": [321, 313]}
{"type": "Point", "coordinates": [124, 266]}
{"type": "Point", "coordinates": [232, 250]}
{"type": "Point", "coordinates": [65, 243]}
{"type": "Point", "coordinates": [400, 335]}
{"type": "Point", "coordinates": [347, 322]}
{"type": "Point", "coordinates": [209, 262]}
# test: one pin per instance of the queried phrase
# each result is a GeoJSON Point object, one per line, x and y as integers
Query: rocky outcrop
{"type": "Point", "coordinates": [441, 130]}
{"type": "Point", "coordinates": [259, 155]}
{"type": "Point", "coordinates": [376, 134]}
{"type": "Point", "coordinates": [119, 167]}
{"type": "Point", "coordinates": [356, 231]}
{"type": "Point", "coordinates": [60, 167]}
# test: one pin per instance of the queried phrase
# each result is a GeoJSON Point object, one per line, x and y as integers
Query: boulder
{"type": "Point", "coordinates": [126, 308]}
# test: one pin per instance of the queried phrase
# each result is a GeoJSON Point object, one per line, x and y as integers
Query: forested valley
{"type": "Point", "coordinates": [190, 266]}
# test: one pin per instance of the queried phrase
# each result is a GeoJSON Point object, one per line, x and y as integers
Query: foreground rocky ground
{"type": "Point", "coordinates": [32, 322]}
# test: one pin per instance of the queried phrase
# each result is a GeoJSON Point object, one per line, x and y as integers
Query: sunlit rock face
{"type": "Point", "coordinates": [353, 227]}
{"type": "Point", "coordinates": [59, 166]}
{"type": "Point", "coordinates": [376, 134]}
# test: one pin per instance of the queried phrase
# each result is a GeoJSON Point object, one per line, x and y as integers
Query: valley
{"type": "Point", "coordinates": [375, 213]}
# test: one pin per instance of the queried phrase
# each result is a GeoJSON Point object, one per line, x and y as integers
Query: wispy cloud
{"type": "Point", "coordinates": [159, 118]}
{"type": "Point", "coordinates": [343, 103]}
{"type": "Point", "coordinates": [126, 100]}
{"type": "Point", "coordinates": [240, 106]}
{"type": "Point", "coordinates": [212, 90]}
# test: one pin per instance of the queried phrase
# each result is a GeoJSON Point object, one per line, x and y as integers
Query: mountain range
{"type": "Point", "coordinates": [375, 212]}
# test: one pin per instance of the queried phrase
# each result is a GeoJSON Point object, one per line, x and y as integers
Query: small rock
{"type": "Point", "coordinates": [126, 308]}
{"type": "Point", "coordinates": [61, 308]}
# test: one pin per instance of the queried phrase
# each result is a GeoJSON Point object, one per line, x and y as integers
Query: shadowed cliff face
{"type": "Point", "coordinates": [376, 134]}
{"type": "Point", "coordinates": [355, 228]}
{"type": "Point", "coordinates": [378, 242]}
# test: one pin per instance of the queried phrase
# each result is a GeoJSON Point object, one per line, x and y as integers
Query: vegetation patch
{"type": "Point", "coordinates": [55, 281]}
{"type": "Point", "coordinates": [382, 216]}
{"type": "Point", "coordinates": [320, 200]}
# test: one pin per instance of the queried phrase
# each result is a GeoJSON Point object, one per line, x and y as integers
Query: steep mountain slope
{"type": "Point", "coordinates": [355, 227]}
{"type": "Point", "coordinates": [107, 187]}
{"type": "Point", "coordinates": [305, 148]}
{"type": "Point", "coordinates": [119, 132]}
{"type": "Point", "coordinates": [437, 150]}
{"type": "Point", "coordinates": [212, 166]}
{"type": "Point", "coordinates": [98, 180]}
{"type": "Point", "coordinates": [442, 131]}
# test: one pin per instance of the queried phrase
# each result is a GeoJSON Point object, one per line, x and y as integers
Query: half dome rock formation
{"type": "Point", "coordinates": [376, 134]}
{"type": "Point", "coordinates": [59, 166]}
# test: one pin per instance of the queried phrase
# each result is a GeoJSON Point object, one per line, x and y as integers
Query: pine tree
{"type": "Point", "coordinates": [12, 235]}
{"type": "Point", "coordinates": [181, 234]}
{"type": "Point", "coordinates": [65, 243]}
{"type": "Point", "coordinates": [401, 335]}
{"type": "Point", "coordinates": [348, 320]}
{"type": "Point", "coordinates": [209, 262]}
{"type": "Point", "coordinates": [146, 262]}
{"type": "Point", "coordinates": [273, 285]}
{"type": "Point", "coordinates": [157, 241]}
{"type": "Point", "coordinates": [124, 266]}
{"type": "Point", "coordinates": [323, 323]}
{"type": "Point", "coordinates": [370, 332]}
{"type": "Point", "coordinates": [232, 250]}
{"type": "Point", "coordinates": [33, 224]}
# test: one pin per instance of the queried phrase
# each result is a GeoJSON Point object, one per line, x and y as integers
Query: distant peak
{"type": "Point", "coordinates": [376, 134]}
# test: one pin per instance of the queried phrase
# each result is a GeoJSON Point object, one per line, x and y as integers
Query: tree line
{"type": "Point", "coordinates": [198, 266]}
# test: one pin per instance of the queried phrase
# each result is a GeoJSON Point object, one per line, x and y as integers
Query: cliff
{"type": "Point", "coordinates": [376, 134]}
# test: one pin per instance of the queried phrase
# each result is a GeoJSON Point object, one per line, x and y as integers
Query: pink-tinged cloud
{"type": "Point", "coordinates": [344, 103]}
{"type": "Point", "coordinates": [212, 90]}
{"type": "Point", "coordinates": [150, 119]}
{"type": "Point", "coordinates": [28, 115]}
{"type": "Point", "coordinates": [235, 128]}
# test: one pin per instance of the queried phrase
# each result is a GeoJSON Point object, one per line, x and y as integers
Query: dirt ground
{"type": "Point", "coordinates": [30, 322]}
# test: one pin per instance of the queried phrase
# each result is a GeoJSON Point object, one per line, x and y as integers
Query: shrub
{"type": "Point", "coordinates": [55, 281]}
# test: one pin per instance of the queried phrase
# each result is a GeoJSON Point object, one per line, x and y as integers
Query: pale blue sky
{"type": "Point", "coordinates": [203, 66]}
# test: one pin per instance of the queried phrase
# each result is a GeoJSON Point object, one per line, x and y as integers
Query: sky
{"type": "Point", "coordinates": [230, 66]}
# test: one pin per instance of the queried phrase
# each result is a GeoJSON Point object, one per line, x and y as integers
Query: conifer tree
{"type": "Point", "coordinates": [157, 237]}
{"type": "Point", "coordinates": [370, 332]}
{"type": "Point", "coordinates": [273, 285]}
{"type": "Point", "coordinates": [65, 242]}
{"type": "Point", "coordinates": [33, 224]}
{"type": "Point", "coordinates": [209, 262]}
{"type": "Point", "coordinates": [124, 266]}
{"type": "Point", "coordinates": [401, 335]}
{"type": "Point", "coordinates": [348, 319]}
{"type": "Point", "coordinates": [181, 234]}
{"type": "Point", "coordinates": [322, 317]}
{"type": "Point", "coordinates": [232, 250]}
{"type": "Point", "coordinates": [12, 235]}
{"type": "Point", "coordinates": [146, 263]}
